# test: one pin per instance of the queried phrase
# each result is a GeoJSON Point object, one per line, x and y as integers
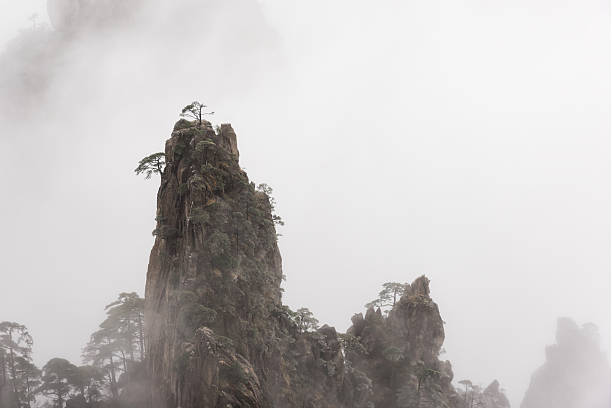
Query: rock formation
{"type": "Point", "coordinates": [400, 352]}
{"type": "Point", "coordinates": [493, 397]}
{"type": "Point", "coordinates": [576, 373]}
{"type": "Point", "coordinates": [217, 332]}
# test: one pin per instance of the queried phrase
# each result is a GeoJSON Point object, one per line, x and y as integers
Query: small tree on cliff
{"type": "Point", "coordinates": [424, 392]}
{"type": "Point", "coordinates": [305, 320]}
{"type": "Point", "coordinates": [389, 295]}
{"type": "Point", "coordinates": [267, 190]}
{"type": "Point", "coordinates": [195, 110]}
{"type": "Point", "coordinates": [152, 164]}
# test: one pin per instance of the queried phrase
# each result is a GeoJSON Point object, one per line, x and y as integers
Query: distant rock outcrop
{"type": "Point", "coordinates": [493, 397]}
{"type": "Point", "coordinates": [576, 373]}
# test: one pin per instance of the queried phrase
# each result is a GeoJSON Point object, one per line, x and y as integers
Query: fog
{"type": "Point", "coordinates": [468, 141]}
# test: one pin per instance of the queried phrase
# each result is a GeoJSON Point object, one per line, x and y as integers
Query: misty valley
{"type": "Point", "coordinates": [446, 162]}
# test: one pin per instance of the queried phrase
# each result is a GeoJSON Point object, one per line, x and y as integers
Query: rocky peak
{"type": "Point", "coordinates": [402, 349]}
{"type": "Point", "coordinates": [420, 287]}
{"type": "Point", "coordinates": [217, 332]}
{"type": "Point", "coordinates": [227, 139]}
{"type": "Point", "coordinates": [494, 397]}
{"type": "Point", "coordinates": [493, 388]}
{"type": "Point", "coordinates": [215, 269]}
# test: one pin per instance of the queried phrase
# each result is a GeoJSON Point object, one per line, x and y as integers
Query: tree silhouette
{"type": "Point", "coordinates": [389, 295]}
{"type": "Point", "coordinates": [126, 319]}
{"type": "Point", "coordinates": [56, 380]}
{"type": "Point", "coordinates": [119, 343]}
{"type": "Point", "coordinates": [152, 164]}
{"type": "Point", "coordinates": [195, 110]}
{"type": "Point", "coordinates": [28, 380]}
{"type": "Point", "coordinates": [467, 384]}
{"type": "Point", "coordinates": [88, 380]}
{"type": "Point", "coordinates": [267, 190]}
{"type": "Point", "coordinates": [426, 393]}
{"type": "Point", "coordinates": [15, 342]}
{"type": "Point", "coordinates": [305, 320]}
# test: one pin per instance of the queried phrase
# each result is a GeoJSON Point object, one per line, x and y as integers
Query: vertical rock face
{"type": "Point", "coordinates": [576, 373]}
{"type": "Point", "coordinates": [217, 333]}
{"type": "Point", "coordinates": [214, 276]}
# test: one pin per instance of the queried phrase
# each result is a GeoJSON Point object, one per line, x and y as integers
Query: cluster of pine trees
{"type": "Point", "coordinates": [112, 359]}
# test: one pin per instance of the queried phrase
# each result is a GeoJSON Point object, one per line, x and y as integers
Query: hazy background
{"type": "Point", "coordinates": [467, 141]}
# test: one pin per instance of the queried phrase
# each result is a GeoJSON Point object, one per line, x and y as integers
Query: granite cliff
{"type": "Point", "coordinates": [217, 333]}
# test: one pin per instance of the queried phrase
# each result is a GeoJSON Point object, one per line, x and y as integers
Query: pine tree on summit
{"type": "Point", "coordinates": [195, 110]}
{"type": "Point", "coordinates": [389, 295]}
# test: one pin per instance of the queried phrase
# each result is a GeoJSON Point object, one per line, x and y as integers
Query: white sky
{"type": "Point", "coordinates": [468, 141]}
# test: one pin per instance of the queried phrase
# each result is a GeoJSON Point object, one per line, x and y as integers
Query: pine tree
{"type": "Point", "coordinates": [119, 343]}
{"type": "Point", "coordinates": [195, 110]}
{"type": "Point", "coordinates": [104, 351]}
{"type": "Point", "coordinates": [305, 320]}
{"type": "Point", "coordinates": [28, 380]}
{"type": "Point", "coordinates": [389, 295]}
{"type": "Point", "coordinates": [15, 343]}
{"type": "Point", "coordinates": [152, 164]}
{"type": "Point", "coordinates": [56, 380]}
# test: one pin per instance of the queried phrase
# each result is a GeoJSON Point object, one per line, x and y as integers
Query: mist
{"type": "Point", "coordinates": [467, 142]}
